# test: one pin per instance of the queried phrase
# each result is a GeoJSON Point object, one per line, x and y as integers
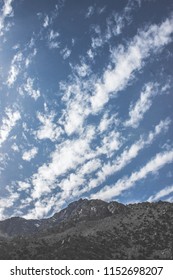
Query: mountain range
{"type": "Point", "coordinates": [92, 229]}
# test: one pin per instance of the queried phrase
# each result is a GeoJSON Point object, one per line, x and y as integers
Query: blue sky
{"type": "Point", "coordinates": [85, 103]}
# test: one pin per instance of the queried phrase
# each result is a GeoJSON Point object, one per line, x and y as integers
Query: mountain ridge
{"type": "Point", "coordinates": [92, 229]}
{"type": "Point", "coordinates": [77, 210]}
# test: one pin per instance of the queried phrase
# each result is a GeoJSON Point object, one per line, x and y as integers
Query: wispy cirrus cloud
{"type": "Point", "coordinates": [129, 153]}
{"type": "Point", "coordinates": [66, 52]}
{"type": "Point", "coordinates": [137, 110]}
{"type": "Point", "coordinates": [53, 43]}
{"type": "Point", "coordinates": [19, 64]}
{"type": "Point", "coordinates": [30, 57]}
{"type": "Point", "coordinates": [82, 69]}
{"type": "Point", "coordinates": [115, 24]}
{"type": "Point", "coordinates": [126, 61]}
{"type": "Point", "coordinates": [15, 68]}
{"type": "Point", "coordinates": [46, 21]}
{"type": "Point", "coordinates": [28, 87]}
{"type": "Point", "coordinates": [161, 194]}
{"type": "Point", "coordinates": [8, 122]}
{"type": "Point", "coordinates": [7, 11]}
{"type": "Point", "coordinates": [129, 60]}
{"type": "Point", "coordinates": [90, 12]}
{"type": "Point", "coordinates": [155, 164]}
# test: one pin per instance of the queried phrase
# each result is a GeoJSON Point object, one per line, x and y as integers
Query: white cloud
{"type": "Point", "coordinates": [90, 166]}
{"type": "Point", "coordinates": [96, 29]}
{"type": "Point", "coordinates": [170, 199]}
{"type": "Point", "coordinates": [71, 185]}
{"type": "Point", "coordinates": [7, 11]}
{"type": "Point", "coordinates": [77, 108]}
{"type": "Point", "coordinates": [77, 183]}
{"type": "Point", "coordinates": [15, 69]}
{"type": "Point", "coordinates": [42, 207]}
{"type": "Point", "coordinates": [28, 59]}
{"type": "Point", "coordinates": [90, 53]}
{"type": "Point", "coordinates": [110, 143]}
{"type": "Point", "coordinates": [97, 42]}
{"type": "Point", "coordinates": [28, 87]}
{"type": "Point", "coordinates": [101, 10]}
{"type": "Point", "coordinates": [74, 118]}
{"type": "Point", "coordinates": [13, 73]}
{"type": "Point", "coordinates": [78, 152]}
{"type": "Point", "coordinates": [52, 43]}
{"type": "Point", "coordinates": [8, 123]}
{"type": "Point", "coordinates": [90, 12]}
{"type": "Point", "coordinates": [23, 186]}
{"type": "Point", "coordinates": [6, 203]}
{"type": "Point", "coordinates": [28, 155]}
{"type": "Point", "coordinates": [53, 35]}
{"type": "Point", "coordinates": [130, 60]}
{"type": "Point", "coordinates": [82, 70]}
{"type": "Point", "coordinates": [19, 63]}
{"type": "Point", "coordinates": [127, 155]}
{"type": "Point", "coordinates": [15, 147]}
{"type": "Point", "coordinates": [164, 192]}
{"type": "Point", "coordinates": [155, 164]}
{"type": "Point", "coordinates": [49, 129]}
{"type": "Point", "coordinates": [142, 105]}
{"type": "Point", "coordinates": [65, 53]}
{"type": "Point", "coordinates": [46, 21]}
{"type": "Point", "coordinates": [115, 24]}
{"type": "Point", "coordinates": [7, 8]}
{"type": "Point", "coordinates": [106, 122]}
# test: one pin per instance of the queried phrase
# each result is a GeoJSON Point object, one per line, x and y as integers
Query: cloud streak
{"type": "Point", "coordinates": [8, 122]}
{"type": "Point", "coordinates": [161, 194]}
{"type": "Point", "coordinates": [7, 11]}
{"type": "Point", "coordinates": [130, 60]}
{"type": "Point", "coordinates": [142, 105]}
{"type": "Point", "coordinates": [155, 164]}
{"type": "Point", "coordinates": [129, 154]}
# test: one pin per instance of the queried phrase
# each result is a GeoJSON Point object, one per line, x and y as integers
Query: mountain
{"type": "Point", "coordinates": [92, 229]}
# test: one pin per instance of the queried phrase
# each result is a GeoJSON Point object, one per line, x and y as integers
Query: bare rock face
{"type": "Point", "coordinates": [116, 208]}
{"type": "Point", "coordinates": [92, 229]}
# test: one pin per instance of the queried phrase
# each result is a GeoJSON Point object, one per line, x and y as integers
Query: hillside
{"type": "Point", "coordinates": [92, 229]}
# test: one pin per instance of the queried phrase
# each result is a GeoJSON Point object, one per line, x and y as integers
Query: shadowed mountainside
{"type": "Point", "coordinates": [92, 229]}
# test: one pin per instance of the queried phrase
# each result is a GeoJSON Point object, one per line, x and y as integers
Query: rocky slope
{"type": "Point", "coordinates": [92, 229]}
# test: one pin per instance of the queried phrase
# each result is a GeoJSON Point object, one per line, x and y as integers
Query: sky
{"type": "Point", "coordinates": [86, 103]}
